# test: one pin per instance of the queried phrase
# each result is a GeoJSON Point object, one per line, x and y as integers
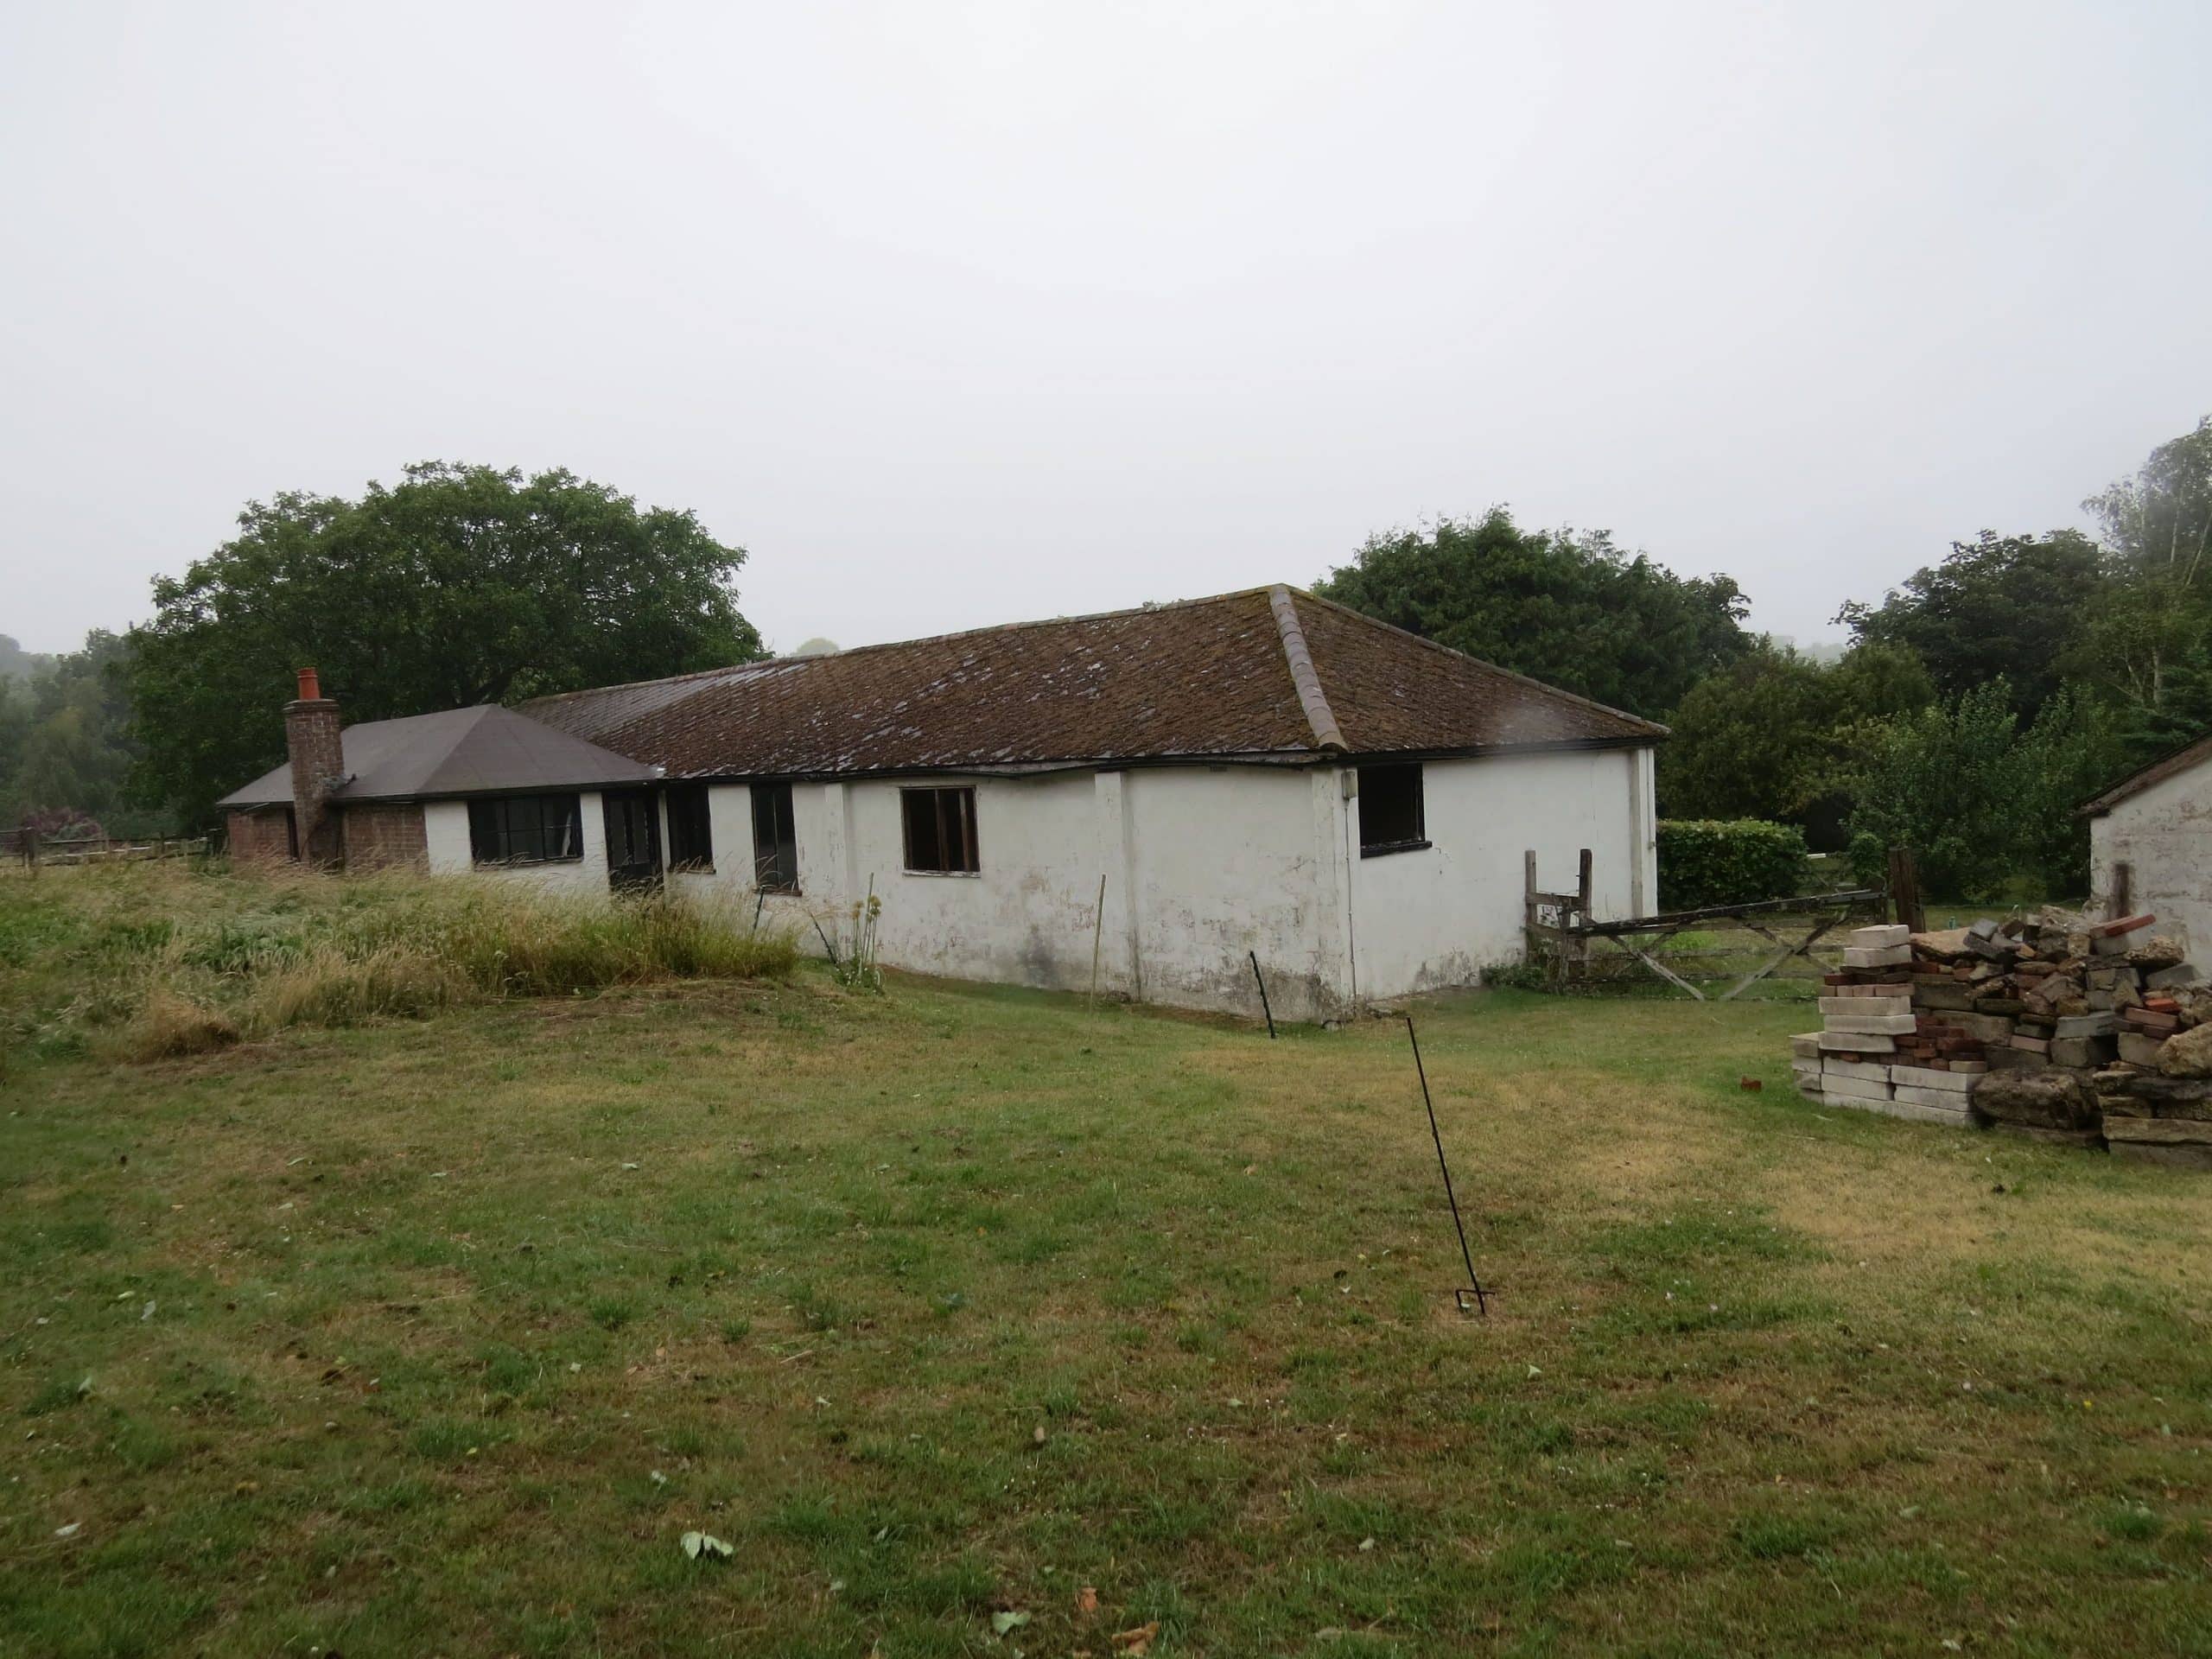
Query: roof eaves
{"type": "Point", "coordinates": [2166, 766]}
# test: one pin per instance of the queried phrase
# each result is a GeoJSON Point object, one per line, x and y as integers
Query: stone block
{"type": "Point", "coordinates": [1881, 936]}
{"type": "Point", "coordinates": [1952, 998]}
{"type": "Point", "coordinates": [1861, 1071]}
{"type": "Point", "coordinates": [1806, 1044]}
{"type": "Point", "coordinates": [2157, 1131]}
{"type": "Point", "coordinates": [1866, 1005]}
{"type": "Point", "coordinates": [2139, 1048]}
{"type": "Point", "coordinates": [2164, 979]}
{"type": "Point", "coordinates": [2032, 1045]}
{"type": "Point", "coordinates": [1853, 1089]}
{"type": "Point", "coordinates": [2086, 1025]}
{"type": "Point", "coordinates": [1935, 1099]}
{"type": "Point", "coordinates": [2082, 1053]}
{"type": "Point", "coordinates": [1880, 1025]}
{"type": "Point", "coordinates": [1919, 1076]}
{"type": "Point", "coordinates": [1916, 1112]}
{"type": "Point", "coordinates": [1858, 1042]}
{"type": "Point", "coordinates": [1891, 955]}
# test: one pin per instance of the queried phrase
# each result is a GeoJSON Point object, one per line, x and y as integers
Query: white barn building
{"type": "Point", "coordinates": [2150, 844]}
{"type": "Point", "coordinates": [1262, 773]}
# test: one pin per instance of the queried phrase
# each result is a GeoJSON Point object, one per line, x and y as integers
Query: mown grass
{"type": "Point", "coordinates": [435, 1336]}
{"type": "Point", "coordinates": [155, 960]}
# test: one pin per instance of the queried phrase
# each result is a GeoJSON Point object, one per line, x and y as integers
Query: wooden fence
{"type": "Point", "coordinates": [1575, 950]}
{"type": "Point", "coordinates": [32, 850]}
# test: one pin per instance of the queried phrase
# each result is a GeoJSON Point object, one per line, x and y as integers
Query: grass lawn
{"type": "Point", "coordinates": [435, 1336]}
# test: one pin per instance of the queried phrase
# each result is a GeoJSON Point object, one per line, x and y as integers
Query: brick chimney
{"type": "Point", "coordinates": [318, 767]}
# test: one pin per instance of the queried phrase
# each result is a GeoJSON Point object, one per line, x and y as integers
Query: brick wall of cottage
{"type": "Point", "coordinates": [263, 837]}
{"type": "Point", "coordinates": [385, 835]}
{"type": "Point", "coordinates": [318, 756]}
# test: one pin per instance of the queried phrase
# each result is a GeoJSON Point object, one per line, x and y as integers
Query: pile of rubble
{"type": "Point", "coordinates": [2059, 1028]}
{"type": "Point", "coordinates": [1877, 1048]}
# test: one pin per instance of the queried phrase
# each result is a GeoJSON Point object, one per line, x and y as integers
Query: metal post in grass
{"type": "Point", "coordinates": [1097, 932]}
{"type": "Point", "coordinates": [1264, 1009]}
{"type": "Point", "coordinates": [1459, 1296]}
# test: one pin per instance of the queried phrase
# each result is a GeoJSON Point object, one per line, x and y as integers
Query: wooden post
{"type": "Point", "coordinates": [2123, 883]}
{"type": "Point", "coordinates": [1529, 906]}
{"type": "Point", "coordinates": [30, 848]}
{"type": "Point", "coordinates": [1097, 929]}
{"type": "Point", "coordinates": [1579, 954]}
{"type": "Point", "coordinates": [1904, 890]}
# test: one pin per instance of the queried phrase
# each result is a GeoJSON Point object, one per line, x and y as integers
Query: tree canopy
{"type": "Point", "coordinates": [457, 586]}
{"type": "Point", "coordinates": [1565, 607]}
{"type": "Point", "coordinates": [1998, 606]}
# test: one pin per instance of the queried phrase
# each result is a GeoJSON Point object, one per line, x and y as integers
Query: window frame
{"type": "Point", "coordinates": [1418, 839]}
{"type": "Point", "coordinates": [952, 806]}
{"type": "Point", "coordinates": [681, 861]}
{"type": "Point", "coordinates": [783, 838]}
{"type": "Point", "coordinates": [482, 807]}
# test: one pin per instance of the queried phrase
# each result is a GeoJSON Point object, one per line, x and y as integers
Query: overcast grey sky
{"type": "Point", "coordinates": [961, 313]}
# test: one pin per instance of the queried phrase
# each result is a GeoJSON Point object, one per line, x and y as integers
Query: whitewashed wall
{"type": "Point", "coordinates": [445, 833]}
{"type": "Point", "coordinates": [2165, 835]}
{"type": "Point", "coordinates": [1438, 915]}
{"type": "Point", "coordinates": [1205, 867]}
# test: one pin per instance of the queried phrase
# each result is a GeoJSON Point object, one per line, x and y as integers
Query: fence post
{"type": "Point", "coordinates": [1904, 890]}
{"type": "Point", "coordinates": [2123, 883]}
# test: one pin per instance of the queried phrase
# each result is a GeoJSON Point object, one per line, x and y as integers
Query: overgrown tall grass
{"type": "Point", "coordinates": [165, 960]}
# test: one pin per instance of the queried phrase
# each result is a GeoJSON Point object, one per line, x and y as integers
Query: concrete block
{"type": "Point", "coordinates": [2139, 1048]}
{"type": "Point", "coordinates": [1935, 1101]}
{"type": "Point", "coordinates": [2086, 1025]}
{"type": "Point", "coordinates": [1919, 1076]}
{"type": "Point", "coordinates": [1946, 999]}
{"type": "Point", "coordinates": [1806, 1044]}
{"type": "Point", "coordinates": [1880, 1025]}
{"type": "Point", "coordinates": [1881, 936]}
{"type": "Point", "coordinates": [1858, 1042]}
{"type": "Point", "coordinates": [1866, 1005]}
{"type": "Point", "coordinates": [1858, 1071]}
{"type": "Point", "coordinates": [2081, 1051]}
{"type": "Point", "coordinates": [1850, 1088]}
{"type": "Point", "coordinates": [1891, 955]}
{"type": "Point", "coordinates": [2165, 979]}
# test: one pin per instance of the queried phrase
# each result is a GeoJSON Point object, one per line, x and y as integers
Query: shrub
{"type": "Point", "coordinates": [1728, 861]}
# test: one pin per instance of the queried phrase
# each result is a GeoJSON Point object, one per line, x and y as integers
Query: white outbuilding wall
{"type": "Point", "coordinates": [445, 834]}
{"type": "Point", "coordinates": [1438, 915]}
{"type": "Point", "coordinates": [1206, 867]}
{"type": "Point", "coordinates": [2164, 837]}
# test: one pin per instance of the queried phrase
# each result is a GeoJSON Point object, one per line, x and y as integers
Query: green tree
{"type": "Point", "coordinates": [2161, 519]}
{"type": "Point", "coordinates": [1773, 735]}
{"type": "Point", "coordinates": [1998, 607]}
{"type": "Point", "coordinates": [65, 743]}
{"type": "Point", "coordinates": [1570, 609]}
{"type": "Point", "coordinates": [1979, 800]}
{"type": "Point", "coordinates": [457, 586]}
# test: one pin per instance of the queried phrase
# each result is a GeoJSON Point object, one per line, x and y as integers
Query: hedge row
{"type": "Point", "coordinates": [1708, 862]}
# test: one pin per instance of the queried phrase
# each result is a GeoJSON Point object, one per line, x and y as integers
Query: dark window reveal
{"type": "Point", "coordinates": [775, 845]}
{"type": "Point", "coordinates": [1390, 810]}
{"type": "Point", "coordinates": [690, 833]}
{"type": "Point", "coordinates": [526, 829]}
{"type": "Point", "coordinates": [940, 830]}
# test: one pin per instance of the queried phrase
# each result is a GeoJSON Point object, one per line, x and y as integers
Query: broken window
{"type": "Point", "coordinates": [940, 830]}
{"type": "Point", "coordinates": [1390, 819]}
{"type": "Point", "coordinates": [775, 843]}
{"type": "Point", "coordinates": [690, 828]}
{"type": "Point", "coordinates": [526, 829]}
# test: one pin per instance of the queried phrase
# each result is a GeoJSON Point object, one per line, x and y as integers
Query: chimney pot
{"type": "Point", "coordinates": [310, 685]}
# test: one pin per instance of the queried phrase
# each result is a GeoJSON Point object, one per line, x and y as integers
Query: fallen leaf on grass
{"type": "Point", "coordinates": [1137, 1643]}
{"type": "Point", "coordinates": [1086, 1599]}
{"type": "Point", "coordinates": [1001, 1623]}
{"type": "Point", "coordinates": [703, 1544]}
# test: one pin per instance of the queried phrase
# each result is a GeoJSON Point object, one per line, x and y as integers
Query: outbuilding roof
{"type": "Point", "coordinates": [484, 750]}
{"type": "Point", "coordinates": [2165, 766]}
{"type": "Point", "coordinates": [1264, 673]}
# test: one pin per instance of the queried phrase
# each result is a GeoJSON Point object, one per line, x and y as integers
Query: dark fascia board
{"type": "Point", "coordinates": [2172, 764]}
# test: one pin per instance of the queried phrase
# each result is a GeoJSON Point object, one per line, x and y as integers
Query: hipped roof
{"type": "Point", "coordinates": [1265, 673]}
{"type": "Point", "coordinates": [484, 750]}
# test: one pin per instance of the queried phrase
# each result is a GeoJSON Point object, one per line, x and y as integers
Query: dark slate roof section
{"type": "Point", "coordinates": [480, 751]}
{"type": "Point", "coordinates": [2165, 766]}
{"type": "Point", "coordinates": [1216, 678]}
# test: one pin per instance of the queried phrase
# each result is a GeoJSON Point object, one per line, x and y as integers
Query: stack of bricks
{"type": "Point", "coordinates": [2062, 992]}
{"type": "Point", "coordinates": [1876, 1050]}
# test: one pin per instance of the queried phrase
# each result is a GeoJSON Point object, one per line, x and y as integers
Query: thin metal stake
{"type": "Point", "coordinates": [1264, 1009]}
{"type": "Point", "coordinates": [826, 945]}
{"type": "Point", "coordinates": [1482, 1302]}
